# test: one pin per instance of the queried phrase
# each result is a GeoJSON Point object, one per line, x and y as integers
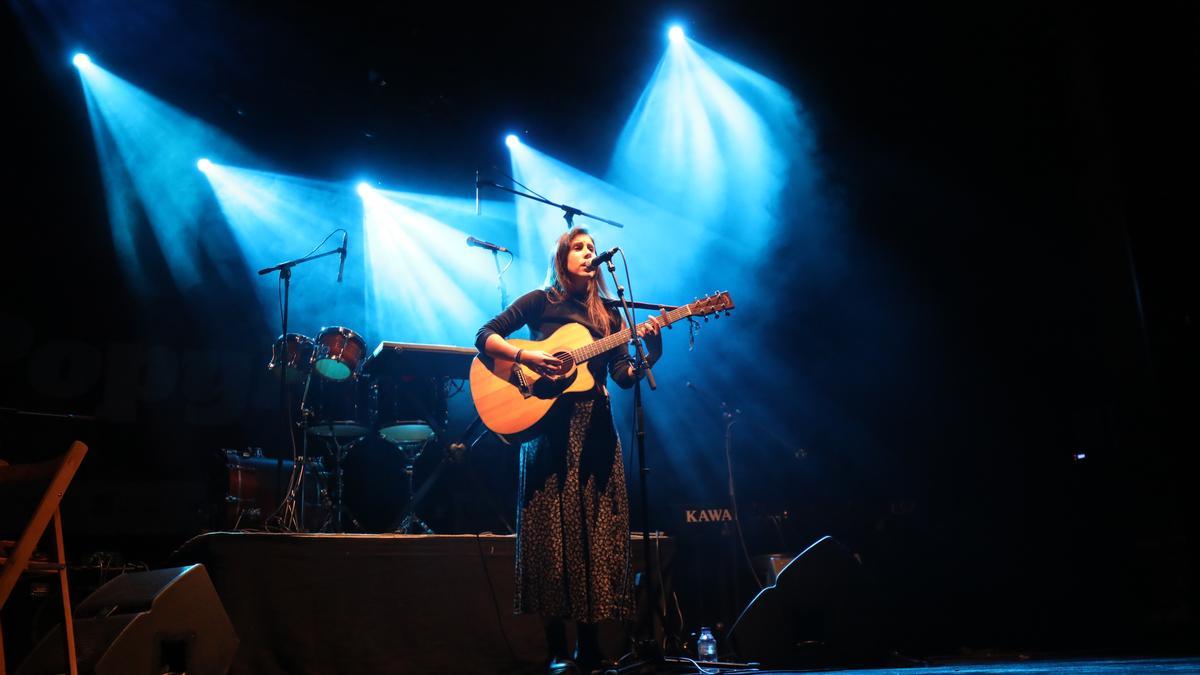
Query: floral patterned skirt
{"type": "Point", "coordinates": [573, 555]}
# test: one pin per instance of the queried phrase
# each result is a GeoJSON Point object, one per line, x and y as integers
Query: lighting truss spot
{"type": "Point", "coordinates": [203, 164]}
{"type": "Point", "coordinates": [81, 60]}
{"type": "Point", "coordinates": [512, 140]}
{"type": "Point", "coordinates": [675, 33]}
{"type": "Point", "coordinates": [363, 189]}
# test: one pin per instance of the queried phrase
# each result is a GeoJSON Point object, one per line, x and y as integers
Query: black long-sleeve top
{"type": "Point", "coordinates": [543, 317]}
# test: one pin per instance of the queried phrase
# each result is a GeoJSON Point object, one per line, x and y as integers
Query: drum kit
{"type": "Point", "coordinates": [348, 397]}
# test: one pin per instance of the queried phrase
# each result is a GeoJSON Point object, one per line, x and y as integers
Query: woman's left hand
{"type": "Point", "coordinates": [651, 328]}
{"type": "Point", "coordinates": [652, 332]}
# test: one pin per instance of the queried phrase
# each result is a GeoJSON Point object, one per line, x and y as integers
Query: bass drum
{"type": "Point", "coordinates": [255, 487]}
{"type": "Point", "coordinates": [336, 410]}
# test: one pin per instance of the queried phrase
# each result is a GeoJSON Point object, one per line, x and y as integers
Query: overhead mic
{"type": "Point", "coordinates": [342, 262]}
{"type": "Point", "coordinates": [478, 211]}
{"type": "Point", "coordinates": [472, 241]}
{"type": "Point", "coordinates": [602, 258]}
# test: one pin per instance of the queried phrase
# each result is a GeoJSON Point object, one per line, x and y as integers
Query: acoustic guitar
{"type": "Point", "coordinates": [511, 398]}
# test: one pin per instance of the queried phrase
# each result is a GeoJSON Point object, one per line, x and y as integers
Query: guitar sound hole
{"type": "Point", "coordinates": [567, 361]}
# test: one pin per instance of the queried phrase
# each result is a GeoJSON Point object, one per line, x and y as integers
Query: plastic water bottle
{"type": "Point", "coordinates": [706, 646]}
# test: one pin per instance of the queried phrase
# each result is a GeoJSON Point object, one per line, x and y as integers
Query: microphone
{"type": "Point", "coordinates": [478, 212]}
{"type": "Point", "coordinates": [602, 258]}
{"type": "Point", "coordinates": [472, 241]}
{"type": "Point", "coordinates": [342, 262]}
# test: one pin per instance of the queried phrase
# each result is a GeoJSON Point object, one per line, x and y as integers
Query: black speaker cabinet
{"type": "Point", "coordinates": [145, 623]}
{"type": "Point", "coordinates": [818, 613]}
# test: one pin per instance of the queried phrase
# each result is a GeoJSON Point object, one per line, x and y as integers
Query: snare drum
{"type": "Point", "coordinates": [340, 353]}
{"type": "Point", "coordinates": [335, 410]}
{"type": "Point", "coordinates": [296, 351]}
{"type": "Point", "coordinates": [407, 409]}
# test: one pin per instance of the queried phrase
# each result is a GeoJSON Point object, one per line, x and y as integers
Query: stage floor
{"type": "Point", "coordinates": [1077, 666]}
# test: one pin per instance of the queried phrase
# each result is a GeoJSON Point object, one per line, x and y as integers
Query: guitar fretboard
{"type": "Point", "coordinates": [622, 337]}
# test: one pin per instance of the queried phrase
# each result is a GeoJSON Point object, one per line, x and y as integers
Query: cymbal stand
{"type": "Point", "coordinates": [337, 507]}
{"type": "Point", "coordinates": [409, 520]}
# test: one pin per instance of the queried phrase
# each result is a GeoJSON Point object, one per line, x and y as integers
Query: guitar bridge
{"type": "Point", "coordinates": [517, 379]}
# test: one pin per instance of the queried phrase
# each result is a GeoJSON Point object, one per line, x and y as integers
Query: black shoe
{"type": "Point", "coordinates": [562, 667]}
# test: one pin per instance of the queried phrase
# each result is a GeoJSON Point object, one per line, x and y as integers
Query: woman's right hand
{"type": "Point", "coordinates": [541, 362]}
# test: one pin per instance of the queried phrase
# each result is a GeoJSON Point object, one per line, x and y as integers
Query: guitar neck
{"type": "Point", "coordinates": [623, 336]}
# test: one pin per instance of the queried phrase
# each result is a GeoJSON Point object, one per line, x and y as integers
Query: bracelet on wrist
{"type": "Point", "coordinates": [517, 356]}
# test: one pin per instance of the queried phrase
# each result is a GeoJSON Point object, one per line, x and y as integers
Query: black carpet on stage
{"type": "Point", "coordinates": [327, 603]}
{"type": "Point", "coordinates": [1026, 666]}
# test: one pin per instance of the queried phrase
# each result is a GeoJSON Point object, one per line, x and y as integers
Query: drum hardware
{"type": "Point", "coordinates": [336, 497]}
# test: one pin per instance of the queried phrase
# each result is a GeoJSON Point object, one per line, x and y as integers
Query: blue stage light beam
{"type": "Point", "coordinates": [276, 217]}
{"type": "Point", "coordinates": [675, 33]}
{"type": "Point", "coordinates": [730, 153]}
{"type": "Point", "coordinates": [717, 143]}
{"type": "Point", "coordinates": [663, 248]}
{"type": "Point", "coordinates": [81, 60]}
{"type": "Point", "coordinates": [147, 149]}
{"type": "Point", "coordinates": [512, 140]}
{"type": "Point", "coordinates": [424, 283]}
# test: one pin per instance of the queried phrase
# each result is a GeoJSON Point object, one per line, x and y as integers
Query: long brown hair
{"type": "Point", "coordinates": [597, 290]}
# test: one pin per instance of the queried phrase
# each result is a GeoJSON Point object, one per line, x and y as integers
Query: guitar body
{"type": "Point", "coordinates": [511, 399]}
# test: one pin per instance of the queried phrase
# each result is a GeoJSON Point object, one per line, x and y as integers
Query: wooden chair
{"type": "Point", "coordinates": [59, 472]}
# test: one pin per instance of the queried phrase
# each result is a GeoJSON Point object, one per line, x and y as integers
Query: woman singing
{"type": "Point", "coordinates": [573, 559]}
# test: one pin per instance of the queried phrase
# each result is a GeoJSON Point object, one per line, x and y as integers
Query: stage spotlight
{"type": "Point", "coordinates": [80, 60]}
{"type": "Point", "coordinates": [512, 140]}
{"type": "Point", "coordinates": [675, 33]}
{"type": "Point", "coordinates": [203, 164]}
{"type": "Point", "coordinates": [363, 189]}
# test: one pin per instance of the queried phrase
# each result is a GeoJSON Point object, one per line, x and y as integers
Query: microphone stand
{"type": "Point", "coordinates": [569, 212]}
{"type": "Point", "coordinates": [647, 648]}
{"type": "Point", "coordinates": [285, 274]}
{"type": "Point", "coordinates": [500, 280]}
{"type": "Point", "coordinates": [730, 416]}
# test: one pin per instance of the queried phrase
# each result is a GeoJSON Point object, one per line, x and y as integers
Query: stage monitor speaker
{"type": "Point", "coordinates": [817, 614]}
{"type": "Point", "coordinates": [145, 623]}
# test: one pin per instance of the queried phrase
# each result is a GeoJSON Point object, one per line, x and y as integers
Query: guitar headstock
{"type": "Point", "coordinates": [712, 304]}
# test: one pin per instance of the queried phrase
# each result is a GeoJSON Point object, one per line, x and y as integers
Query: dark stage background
{"type": "Point", "coordinates": [1014, 183]}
